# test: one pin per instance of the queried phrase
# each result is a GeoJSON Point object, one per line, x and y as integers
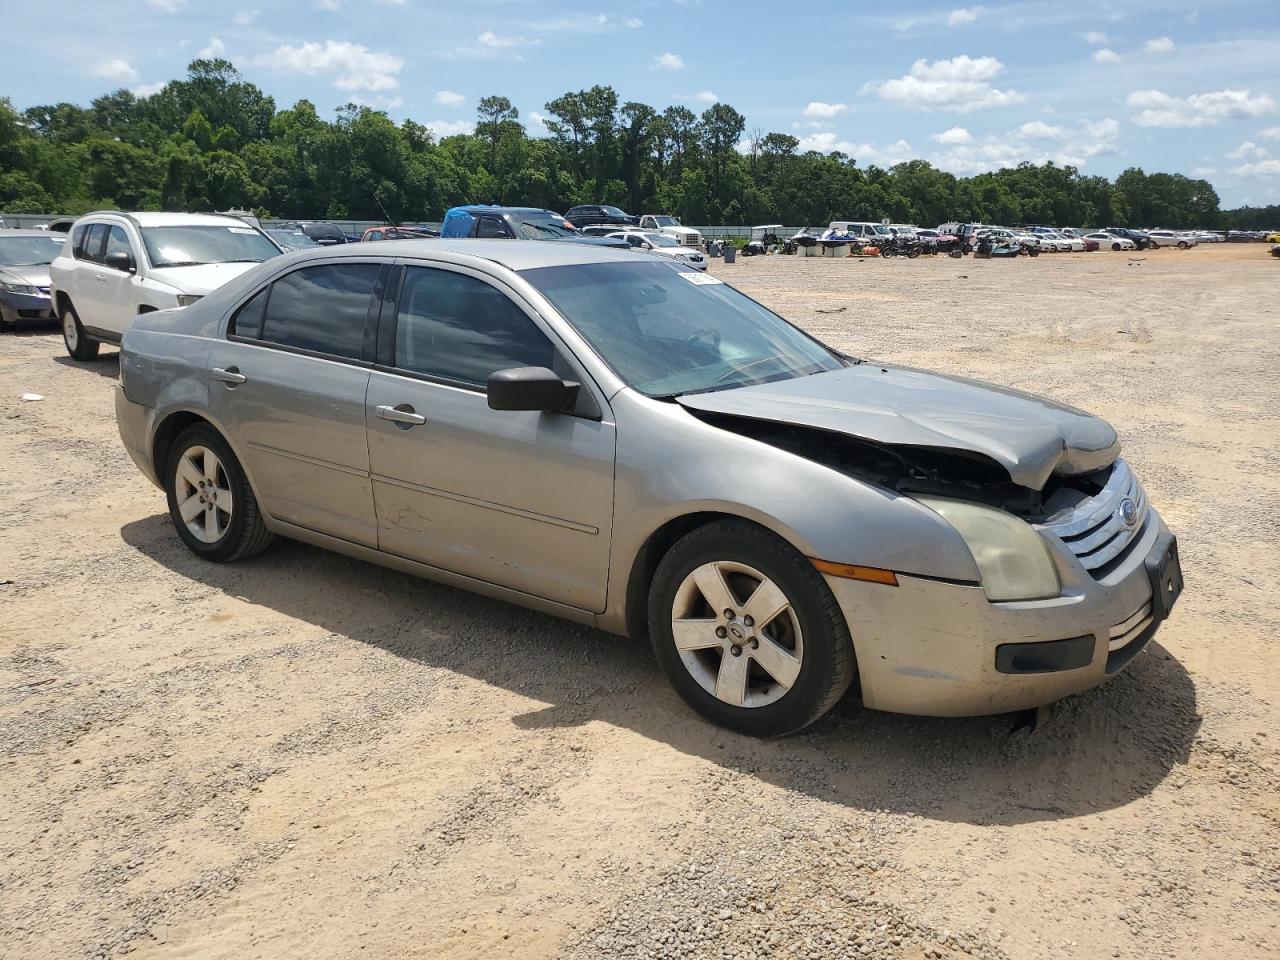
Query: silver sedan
{"type": "Point", "coordinates": [637, 445]}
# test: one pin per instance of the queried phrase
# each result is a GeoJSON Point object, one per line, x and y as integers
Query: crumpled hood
{"type": "Point", "coordinates": [33, 274]}
{"type": "Point", "coordinates": [201, 279]}
{"type": "Point", "coordinates": [1029, 436]}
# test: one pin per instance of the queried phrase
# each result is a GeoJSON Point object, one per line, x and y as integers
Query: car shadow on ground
{"type": "Point", "coordinates": [1097, 751]}
{"type": "Point", "coordinates": [106, 365]}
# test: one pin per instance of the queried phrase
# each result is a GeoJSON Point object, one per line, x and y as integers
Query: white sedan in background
{"type": "Point", "coordinates": [662, 244]}
{"type": "Point", "coordinates": [1107, 241]}
{"type": "Point", "coordinates": [1065, 242]}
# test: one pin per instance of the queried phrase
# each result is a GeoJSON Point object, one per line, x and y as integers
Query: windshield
{"type": "Point", "coordinates": [667, 221]}
{"type": "Point", "coordinates": [613, 211]}
{"type": "Point", "coordinates": [292, 238]}
{"type": "Point", "coordinates": [668, 330]}
{"type": "Point", "coordinates": [193, 245]}
{"type": "Point", "coordinates": [29, 251]}
{"type": "Point", "coordinates": [539, 227]}
{"type": "Point", "coordinates": [661, 240]}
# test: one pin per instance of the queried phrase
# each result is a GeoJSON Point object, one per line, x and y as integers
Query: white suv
{"type": "Point", "coordinates": [115, 266]}
{"type": "Point", "coordinates": [1170, 238]}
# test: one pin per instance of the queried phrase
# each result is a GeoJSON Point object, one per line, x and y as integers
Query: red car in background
{"type": "Point", "coordinates": [1089, 245]}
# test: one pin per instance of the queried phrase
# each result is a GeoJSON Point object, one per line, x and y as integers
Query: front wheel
{"type": "Point", "coordinates": [1182, 244]}
{"type": "Point", "coordinates": [210, 501]}
{"type": "Point", "coordinates": [747, 631]}
{"type": "Point", "coordinates": [77, 342]}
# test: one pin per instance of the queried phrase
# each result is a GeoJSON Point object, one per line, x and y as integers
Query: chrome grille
{"type": "Point", "coordinates": [691, 239]}
{"type": "Point", "coordinates": [1096, 531]}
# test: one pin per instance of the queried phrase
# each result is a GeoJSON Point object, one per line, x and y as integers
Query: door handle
{"type": "Point", "coordinates": [403, 414]}
{"type": "Point", "coordinates": [230, 376]}
{"type": "Point", "coordinates": [101, 278]}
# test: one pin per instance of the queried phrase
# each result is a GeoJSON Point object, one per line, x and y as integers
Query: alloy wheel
{"type": "Point", "coordinates": [204, 497]}
{"type": "Point", "coordinates": [737, 634]}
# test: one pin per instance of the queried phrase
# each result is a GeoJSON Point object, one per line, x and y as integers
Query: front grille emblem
{"type": "Point", "coordinates": [1128, 512]}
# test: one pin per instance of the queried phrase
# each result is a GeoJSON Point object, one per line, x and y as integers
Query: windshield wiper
{"type": "Point", "coordinates": [242, 260]}
{"type": "Point", "coordinates": [181, 263]}
{"type": "Point", "coordinates": [748, 366]}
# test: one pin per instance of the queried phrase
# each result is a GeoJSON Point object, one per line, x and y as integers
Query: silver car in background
{"type": "Point", "coordinates": [631, 443]}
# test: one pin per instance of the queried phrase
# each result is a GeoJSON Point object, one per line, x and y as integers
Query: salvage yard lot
{"type": "Point", "coordinates": [303, 755]}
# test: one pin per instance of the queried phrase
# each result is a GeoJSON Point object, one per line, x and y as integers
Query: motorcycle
{"type": "Point", "coordinates": [901, 245]}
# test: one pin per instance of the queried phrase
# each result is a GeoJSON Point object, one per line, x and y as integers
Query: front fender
{"type": "Point", "coordinates": [671, 464]}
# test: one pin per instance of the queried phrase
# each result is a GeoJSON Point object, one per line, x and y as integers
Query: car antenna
{"type": "Point", "coordinates": [386, 215]}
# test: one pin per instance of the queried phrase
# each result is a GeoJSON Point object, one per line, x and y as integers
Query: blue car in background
{"type": "Point", "coordinates": [515, 223]}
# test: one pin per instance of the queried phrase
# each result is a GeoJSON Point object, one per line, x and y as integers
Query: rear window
{"type": "Point", "coordinates": [321, 309]}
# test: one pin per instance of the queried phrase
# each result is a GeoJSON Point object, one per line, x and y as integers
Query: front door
{"type": "Point", "coordinates": [288, 383]}
{"type": "Point", "coordinates": [519, 499]}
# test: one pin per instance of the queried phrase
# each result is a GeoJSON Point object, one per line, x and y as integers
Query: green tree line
{"type": "Point", "coordinates": [213, 141]}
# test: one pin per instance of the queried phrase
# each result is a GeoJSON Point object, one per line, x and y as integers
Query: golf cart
{"type": "Point", "coordinates": [762, 239]}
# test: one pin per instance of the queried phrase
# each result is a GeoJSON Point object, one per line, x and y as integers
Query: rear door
{"type": "Point", "coordinates": [519, 499]}
{"type": "Point", "coordinates": [288, 383]}
{"type": "Point", "coordinates": [116, 288]}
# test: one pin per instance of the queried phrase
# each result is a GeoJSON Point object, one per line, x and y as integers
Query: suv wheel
{"type": "Point", "coordinates": [79, 346]}
{"type": "Point", "coordinates": [747, 631]}
{"type": "Point", "coordinates": [210, 501]}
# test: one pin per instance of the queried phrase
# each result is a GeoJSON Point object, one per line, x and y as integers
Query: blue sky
{"type": "Point", "coordinates": [1173, 86]}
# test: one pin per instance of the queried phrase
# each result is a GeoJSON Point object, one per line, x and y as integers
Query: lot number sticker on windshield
{"type": "Point", "coordinates": [699, 278]}
{"type": "Point", "coordinates": [242, 229]}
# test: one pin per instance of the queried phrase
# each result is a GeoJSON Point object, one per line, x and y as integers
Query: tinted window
{"type": "Point", "coordinates": [93, 241]}
{"type": "Point", "coordinates": [321, 308]}
{"type": "Point", "coordinates": [78, 236]}
{"type": "Point", "coordinates": [460, 328]}
{"type": "Point", "coordinates": [247, 321]}
{"type": "Point", "coordinates": [117, 242]}
{"type": "Point", "coordinates": [491, 227]}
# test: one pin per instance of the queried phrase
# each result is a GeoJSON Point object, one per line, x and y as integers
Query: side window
{"type": "Point", "coordinates": [321, 308]}
{"type": "Point", "coordinates": [247, 321]}
{"type": "Point", "coordinates": [457, 327]}
{"type": "Point", "coordinates": [93, 241]}
{"type": "Point", "coordinates": [492, 227]}
{"type": "Point", "coordinates": [118, 242]}
{"type": "Point", "coordinates": [78, 237]}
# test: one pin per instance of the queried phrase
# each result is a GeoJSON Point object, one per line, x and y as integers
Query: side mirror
{"type": "Point", "coordinates": [530, 388]}
{"type": "Point", "coordinates": [120, 260]}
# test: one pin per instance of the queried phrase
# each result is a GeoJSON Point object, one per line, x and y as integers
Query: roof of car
{"type": "Point", "coordinates": [152, 219]}
{"type": "Point", "coordinates": [485, 208]}
{"type": "Point", "coordinates": [33, 233]}
{"type": "Point", "coordinates": [513, 254]}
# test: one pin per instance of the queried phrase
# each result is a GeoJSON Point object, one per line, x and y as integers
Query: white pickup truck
{"type": "Point", "coordinates": [663, 223]}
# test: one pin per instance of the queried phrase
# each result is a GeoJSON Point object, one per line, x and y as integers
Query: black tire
{"type": "Point", "coordinates": [246, 534]}
{"type": "Point", "coordinates": [913, 253]}
{"type": "Point", "coordinates": [1182, 245]}
{"type": "Point", "coordinates": [886, 252]}
{"type": "Point", "coordinates": [83, 348]}
{"type": "Point", "coordinates": [1116, 246]}
{"type": "Point", "coordinates": [828, 665]}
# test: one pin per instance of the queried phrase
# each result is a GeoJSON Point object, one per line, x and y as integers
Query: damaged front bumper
{"type": "Point", "coordinates": [939, 648]}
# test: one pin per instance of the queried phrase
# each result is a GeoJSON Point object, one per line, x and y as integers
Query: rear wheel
{"type": "Point", "coordinates": [78, 344]}
{"type": "Point", "coordinates": [210, 501]}
{"type": "Point", "coordinates": [747, 631]}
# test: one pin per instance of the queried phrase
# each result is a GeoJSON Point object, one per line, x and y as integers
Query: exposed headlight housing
{"type": "Point", "coordinates": [187, 299]}
{"type": "Point", "coordinates": [1012, 558]}
{"type": "Point", "coordinates": [23, 288]}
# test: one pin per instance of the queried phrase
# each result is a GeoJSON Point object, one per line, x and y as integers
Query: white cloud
{"type": "Point", "coordinates": [491, 46]}
{"type": "Point", "coordinates": [356, 66]}
{"type": "Point", "coordinates": [537, 119]}
{"type": "Point", "coordinates": [953, 136]}
{"type": "Point", "coordinates": [634, 23]}
{"type": "Point", "coordinates": [667, 61]}
{"type": "Point", "coordinates": [168, 6]}
{"type": "Point", "coordinates": [705, 96]}
{"type": "Point", "coordinates": [448, 98]}
{"type": "Point", "coordinates": [1094, 36]}
{"type": "Point", "coordinates": [147, 89]}
{"type": "Point", "coordinates": [1263, 168]}
{"type": "Point", "coordinates": [961, 84]}
{"type": "Point", "coordinates": [1107, 129]}
{"type": "Point", "coordinates": [1270, 133]}
{"type": "Point", "coordinates": [450, 128]}
{"type": "Point", "coordinates": [964, 15]}
{"type": "Point", "coordinates": [1158, 45]}
{"type": "Point", "coordinates": [818, 108]}
{"type": "Point", "coordinates": [1246, 150]}
{"type": "Point", "coordinates": [119, 70]}
{"type": "Point", "coordinates": [574, 23]}
{"type": "Point", "coordinates": [328, 4]}
{"type": "Point", "coordinates": [378, 102]}
{"type": "Point", "coordinates": [865, 153]}
{"type": "Point", "coordinates": [1039, 130]}
{"type": "Point", "coordinates": [1106, 55]}
{"type": "Point", "coordinates": [212, 50]}
{"type": "Point", "coordinates": [245, 17]}
{"type": "Point", "coordinates": [1198, 110]}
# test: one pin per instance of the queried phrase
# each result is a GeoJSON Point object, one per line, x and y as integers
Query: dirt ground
{"type": "Point", "coordinates": [307, 756]}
